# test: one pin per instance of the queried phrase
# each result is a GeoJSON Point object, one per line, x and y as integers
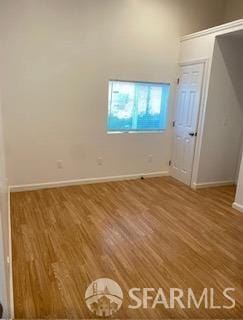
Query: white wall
{"type": "Point", "coordinates": [4, 228]}
{"type": "Point", "coordinates": [233, 10]}
{"type": "Point", "coordinates": [56, 59]}
{"type": "Point", "coordinates": [239, 162]}
{"type": "Point", "coordinates": [223, 130]}
{"type": "Point", "coordinates": [238, 204]}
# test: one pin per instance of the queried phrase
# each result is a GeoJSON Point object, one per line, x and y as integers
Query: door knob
{"type": "Point", "coordinates": [193, 134]}
{"type": "Point", "coordinates": [1, 311]}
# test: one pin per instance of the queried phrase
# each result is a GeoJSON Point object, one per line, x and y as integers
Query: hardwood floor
{"type": "Point", "coordinates": [154, 233]}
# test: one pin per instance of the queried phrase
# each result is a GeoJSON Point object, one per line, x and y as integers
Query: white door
{"type": "Point", "coordinates": [186, 121]}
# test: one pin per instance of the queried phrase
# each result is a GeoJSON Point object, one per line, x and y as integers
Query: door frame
{"type": "Point", "coordinates": [201, 115]}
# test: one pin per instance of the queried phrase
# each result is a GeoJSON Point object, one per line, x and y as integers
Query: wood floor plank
{"type": "Point", "coordinates": [144, 233]}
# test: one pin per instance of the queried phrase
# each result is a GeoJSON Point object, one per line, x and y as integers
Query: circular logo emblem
{"type": "Point", "coordinates": [104, 297]}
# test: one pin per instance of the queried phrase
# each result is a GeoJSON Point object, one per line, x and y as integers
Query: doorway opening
{"type": "Point", "coordinates": [218, 159]}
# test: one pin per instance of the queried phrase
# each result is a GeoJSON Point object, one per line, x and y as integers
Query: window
{"type": "Point", "coordinates": [137, 106]}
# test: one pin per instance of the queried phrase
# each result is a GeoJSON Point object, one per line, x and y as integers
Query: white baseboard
{"type": "Point", "coordinates": [47, 185]}
{"type": "Point", "coordinates": [237, 206]}
{"type": "Point", "coordinates": [196, 186]}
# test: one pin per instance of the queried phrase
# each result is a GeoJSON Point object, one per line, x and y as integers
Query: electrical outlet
{"type": "Point", "coordinates": [59, 164]}
{"type": "Point", "coordinates": [150, 158]}
{"type": "Point", "coordinates": [100, 161]}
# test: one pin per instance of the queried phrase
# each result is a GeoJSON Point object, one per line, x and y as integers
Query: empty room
{"type": "Point", "coordinates": [121, 168]}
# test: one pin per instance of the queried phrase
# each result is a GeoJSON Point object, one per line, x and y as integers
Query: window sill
{"type": "Point", "coordinates": [135, 132]}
